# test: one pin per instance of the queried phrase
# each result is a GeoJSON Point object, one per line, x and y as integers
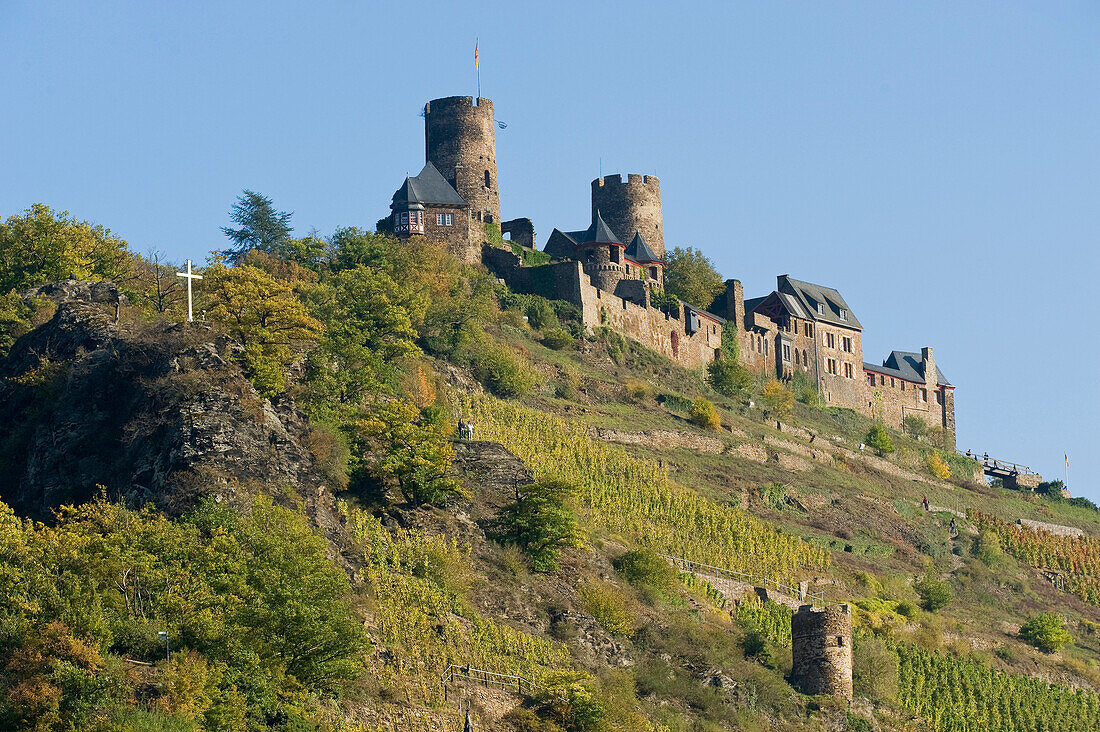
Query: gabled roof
{"type": "Point", "coordinates": [428, 187]}
{"type": "Point", "coordinates": [906, 365]}
{"type": "Point", "coordinates": [639, 251]}
{"type": "Point", "coordinates": [810, 296]}
{"type": "Point", "coordinates": [716, 318]}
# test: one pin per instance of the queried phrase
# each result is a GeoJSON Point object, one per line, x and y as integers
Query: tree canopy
{"type": "Point", "coordinates": [260, 226]}
{"type": "Point", "coordinates": [691, 276]}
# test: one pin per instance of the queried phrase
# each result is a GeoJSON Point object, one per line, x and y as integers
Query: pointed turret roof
{"type": "Point", "coordinates": [428, 187]}
{"type": "Point", "coordinates": [639, 251]}
{"type": "Point", "coordinates": [600, 233]}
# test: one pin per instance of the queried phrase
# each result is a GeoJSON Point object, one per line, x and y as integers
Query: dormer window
{"type": "Point", "coordinates": [843, 314]}
{"type": "Point", "coordinates": [821, 308]}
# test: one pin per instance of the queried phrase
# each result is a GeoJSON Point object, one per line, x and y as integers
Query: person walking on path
{"type": "Point", "coordinates": [461, 429]}
{"type": "Point", "coordinates": [954, 527]}
{"type": "Point", "coordinates": [925, 503]}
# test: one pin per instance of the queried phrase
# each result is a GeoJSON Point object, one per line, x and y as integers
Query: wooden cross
{"type": "Point", "coordinates": [189, 277]}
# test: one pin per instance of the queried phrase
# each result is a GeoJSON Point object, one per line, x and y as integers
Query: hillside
{"type": "Point", "coordinates": [284, 489]}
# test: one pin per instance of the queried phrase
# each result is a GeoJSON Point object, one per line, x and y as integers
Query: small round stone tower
{"type": "Point", "coordinates": [821, 650]}
{"type": "Point", "coordinates": [633, 206]}
{"type": "Point", "coordinates": [460, 141]}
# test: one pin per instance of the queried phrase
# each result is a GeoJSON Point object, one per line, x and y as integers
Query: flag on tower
{"type": "Point", "coordinates": [1067, 459]}
{"type": "Point", "coordinates": [476, 66]}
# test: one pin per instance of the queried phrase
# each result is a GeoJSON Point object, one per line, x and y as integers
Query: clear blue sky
{"type": "Point", "coordinates": [937, 162]}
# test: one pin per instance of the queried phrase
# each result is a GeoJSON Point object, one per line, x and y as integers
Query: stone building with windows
{"type": "Point", "coordinates": [612, 269]}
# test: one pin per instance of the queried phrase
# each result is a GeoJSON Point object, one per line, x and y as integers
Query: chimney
{"type": "Point", "coordinates": [931, 378]}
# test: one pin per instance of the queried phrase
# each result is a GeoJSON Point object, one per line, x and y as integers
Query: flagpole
{"type": "Point", "coordinates": [477, 65]}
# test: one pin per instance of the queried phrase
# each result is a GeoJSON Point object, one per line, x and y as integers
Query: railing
{"type": "Point", "coordinates": [1004, 466]}
{"type": "Point", "coordinates": [817, 599]}
{"type": "Point", "coordinates": [489, 679]}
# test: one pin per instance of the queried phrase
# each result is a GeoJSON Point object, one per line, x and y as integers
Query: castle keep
{"type": "Point", "coordinates": [821, 650]}
{"type": "Point", "coordinates": [613, 268]}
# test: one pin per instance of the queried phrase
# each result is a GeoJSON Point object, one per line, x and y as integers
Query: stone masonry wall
{"type": "Point", "coordinates": [456, 237]}
{"type": "Point", "coordinates": [460, 140]}
{"type": "Point", "coordinates": [631, 206]}
{"type": "Point", "coordinates": [822, 650]}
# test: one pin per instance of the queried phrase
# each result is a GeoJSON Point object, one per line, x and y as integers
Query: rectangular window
{"type": "Point", "coordinates": [820, 308]}
{"type": "Point", "coordinates": [848, 371]}
{"type": "Point", "coordinates": [924, 395]}
{"type": "Point", "coordinates": [444, 219]}
{"type": "Point", "coordinates": [939, 397]}
{"type": "Point", "coordinates": [830, 340]}
{"type": "Point", "coordinates": [786, 352]}
{"type": "Point", "coordinates": [892, 384]}
{"type": "Point", "coordinates": [847, 344]}
{"type": "Point", "coordinates": [830, 365]}
{"type": "Point", "coordinates": [903, 386]}
{"type": "Point", "coordinates": [870, 379]}
{"type": "Point", "coordinates": [881, 381]}
{"type": "Point", "coordinates": [843, 314]}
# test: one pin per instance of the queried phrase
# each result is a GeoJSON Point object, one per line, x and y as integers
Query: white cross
{"type": "Point", "coordinates": [188, 276]}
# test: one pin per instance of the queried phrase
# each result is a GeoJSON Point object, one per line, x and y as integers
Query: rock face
{"type": "Point", "coordinates": [143, 413]}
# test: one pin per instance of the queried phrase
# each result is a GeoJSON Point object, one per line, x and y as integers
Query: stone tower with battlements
{"type": "Point", "coordinates": [821, 650]}
{"type": "Point", "coordinates": [461, 142]}
{"type": "Point", "coordinates": [631, 206]}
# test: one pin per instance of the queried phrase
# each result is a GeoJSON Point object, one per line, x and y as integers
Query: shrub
{"type": "Point", "coordinates": [937, 466]}
{"type": "Point", "coordinates": [540, 314]}
{"type": "Point", "coordinates": [907, 609]}
{"type": "Point", "coordinates": [934, 593]}
{"type": "Point", "coordinates": [643, 568]}
{"type": "Point", "coordinates": [501, 370]}
{"type": "Point", "coordinates": [539, 522]}
{"type": "Point", "coordinates": [704, 414]}
{"type": "Point", "coordinates": [1046, 632]}
{"type": "Point", "coordinates": [773, 494]}
{"type": "Point", "coordinates": [914, 426]}
{"type": "Point", "coordinates": [637, 391]}
{"type": "Point", "coordinates": [728, 377]}
{"type": "Point", "coordinates": [987, 547]}
{"type": "Point", "coordinates": [875, 669]}
{"type": "Point", "coordinates": [879, 439]}
{"type": "Point", "coordinates": [674, 402]}
{"type": "Point", "coordinates": [557, 338]}
{"type": "Point", "coordinates": [609, 607]}
{"type": "Point", "coordinates": [804, 389]}
{"type": "Point", "coordinates": [778, 399]}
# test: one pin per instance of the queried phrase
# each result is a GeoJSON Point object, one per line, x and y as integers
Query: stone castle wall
{"type": "Point", "coordinates": [653, 328]}
{"type": "Point", "coordinates": [822, 650]}
{"type": "Point", "coordinates": [460, 140]}
{"type": "Point", "coordinates": [631, 206]}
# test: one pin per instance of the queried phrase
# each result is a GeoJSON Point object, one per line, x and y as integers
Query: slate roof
{"type": "Point", "coordinates": [809, 295]}
{"type": "Point", "coordinates": [908, 366]}
{"type": "Point", "coordinates": [639, 251]}
{"type": "Point", "coordinates": [428, 187]}
{"type": "Point", "coordinates": [600, 233]}
{"type": "Point", "coordinates": [712, 316]}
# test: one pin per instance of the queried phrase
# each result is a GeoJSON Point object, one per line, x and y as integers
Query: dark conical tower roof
{"type": "Point", "coordinates": [639, 251]}
{"type": "Point", "coordinates": [600, 233]}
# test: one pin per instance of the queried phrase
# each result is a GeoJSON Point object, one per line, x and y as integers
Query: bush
{"type": "Point", "coordinates": [879, 439]}
{"type": "Point", "coordinates": [875, 669]}
{"type": "Point", "coordinates": [501, 370]}
{"type": "Point", "coordinates": [644, 569]}
{"type": "Point", "coordinates": [704, 414]}
{"type": "Point", "coordinates": [937, 466]}
{"type": "Point", "coordinates": [557, 338]}
{"type": "Point", "coordinates": [914, 426]}
{"type": "Point", "coordinates": [907, 610]}
{"type": "Point", "coordinates": [674, 402]}
{"type": "Point", "coordinates": [987, 547]}
{"type": "Point", "coordinates": [609, 607]}
{"type": "Point", "coordinates": [1046, 632]}
{"type": "Point", "coordinates": [637, 391]}
{"type": "Point", "coordinates": [540, 523]}
{"type": "Point", "coordinates": [804, 389]}
{"type": "Point", "coordinates": [728, 377]}
{"type": "Point", "coordinates": [934, 593]}
{"type": "Point", "coordinates": [540, 314]}
{"type": "Point", "coordinates": [778, 399]}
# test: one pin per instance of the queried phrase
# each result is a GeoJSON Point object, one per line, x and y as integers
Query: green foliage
{"type": "Point", "coordinates": [624, 495]}
{"type": "Point", "coordinates": [773, 494]}
{"type": "Point", "coordinates": [879, 439]}
{"type": "Point", "coordinates": [769, 620]}
{"type": "Point", "coordinates": [1046, 632]}
{"type": "Point", "coordinates": [853, 723]}
{"type": "Point", "coordinates": [804, 389]}
{"type": "Point", "coordinates": [14, 320]}
{"type": "Point", "coordinates": [557, 338]}
{"type": "Point", "coordinates": [663, 300]}
{"type": "Point", "coordinates": [958, 695]}
{"type": "Point", "coordinates": [250, 601]}
{"type": "Point", "coordinates": [691, 276]}
{"type": "Point", "coordinates": [501, 369]}
{"type": "Point", "coordinates": [636, 391]}
{"type": "Point", "coordinates": [914, 426]}
{"type": "Point", "coordinates": [731, 344]}
{"type": "Point", "coordinates": [411, 448]}
{"type": "Point", "coordinates": [40, 246]}
{"type": "Point", "coordinates": [262, 314]}
{"type": "Point", "coordinates": [728, 377]}
{"type": "Point", "coordinates": [644, 569]}
{"type": "Point", "coordinates": [987, 547]}
{"type": "Point", "coordinates": [261, 226]}
{"type": "Point", "coordinates": [704, 414]}
{"type": "Point", "coordinates": [875, 669]}
{"type": "Point", "coordinates": [540, 522]}
{"type": "Point", "coordinates": [934, 593]}
{"type": "Point", "coordinates": [609, 606]}
{"type": "Point", "coordinates": [529, 257]}
{"type": "Point", "coordinates": [778, 399]}
{"type": "Point", "coordinates": [937, 466]}
{"type": "Point", "coordinates": [570, 702]}
{"type": "Point", "coordinates": [674, 402]}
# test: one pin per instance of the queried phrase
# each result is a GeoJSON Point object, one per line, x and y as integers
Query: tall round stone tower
{"type": "Point", "coordinates": [631, 206]}
{"type": "Point", "coordinates": [460, 141]}
{"type": "Point", "coordinates": [821, 650]}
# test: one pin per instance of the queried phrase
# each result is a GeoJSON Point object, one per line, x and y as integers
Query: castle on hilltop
{"type": "Point", "coordinates": [613, 269]}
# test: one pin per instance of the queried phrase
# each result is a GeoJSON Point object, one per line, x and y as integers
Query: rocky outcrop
{"type": "Point", "coordinates": [158, 413]}
{"type": "Point", "coordinates": [661, 439]}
